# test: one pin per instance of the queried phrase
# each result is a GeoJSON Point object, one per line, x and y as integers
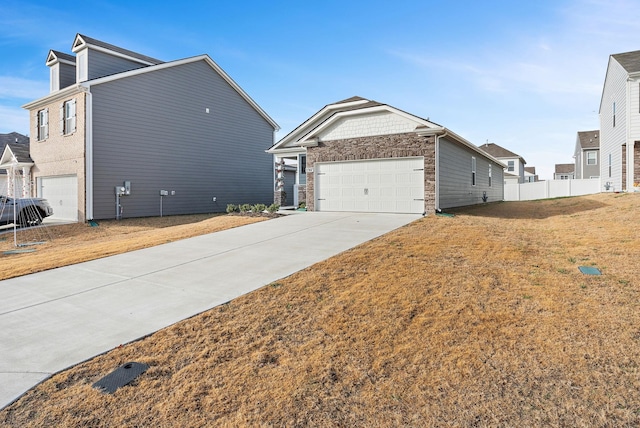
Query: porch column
{"type": "Point", "coordinates": [280, 196]}
{"type": "Point", "coordinates": [11, 181]}
{"type": "Point", "coordinates": [26, 182]}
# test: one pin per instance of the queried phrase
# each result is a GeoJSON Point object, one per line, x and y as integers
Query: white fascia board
{"type": "Point", "coordinates": [55, 96]}
{"type": "Point", "coordinates": [164, 65]}
{"type": "Point", "coordinates": [298, 133]}
{"type": "Point", "coordinates": [287, 151]}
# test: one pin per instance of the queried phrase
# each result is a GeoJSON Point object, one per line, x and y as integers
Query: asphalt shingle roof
{"type": "Point", "coordinates": [499, 152]}
{"type": "Point", "coordinates": [630, 61]}
{"type": "Point", "coordinates": [118, 49]}
{"type": "Point", "coordinates": [564, 168]}
{"type": "Point", "coordinates": [589, 139]}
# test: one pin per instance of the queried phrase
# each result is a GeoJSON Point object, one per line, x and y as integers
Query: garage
{"type": "Point", "coordinates": [62, 194]}
{"type": "Point", "coordinates": [394, 185]}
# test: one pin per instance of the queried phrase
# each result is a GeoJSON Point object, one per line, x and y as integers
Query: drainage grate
{"type": "Point", "coordinates": [588, 270]}
{"type": "Point", "coordinates": [120, 377]}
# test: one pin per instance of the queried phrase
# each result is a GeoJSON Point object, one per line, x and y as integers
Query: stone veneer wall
{"type": "Point", "coordinates": [377, 147]}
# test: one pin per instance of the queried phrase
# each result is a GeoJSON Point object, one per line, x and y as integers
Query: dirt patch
{"type": "Point", "coordinates": [481, 319]}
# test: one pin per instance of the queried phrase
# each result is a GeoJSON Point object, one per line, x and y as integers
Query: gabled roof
{"type": "Point", "coordinates": [630, 61]}
{"type": "Point", "coordinates": [565, 168]}
{"type": "Point", "coordinates": [143, 70]}
{"type": "Point", "coordinates": [530, 169]}
{"type": "Point", "coordinates": [589, 139]}
{"type": "Point", "coordinates": [81, 41]}
{"type": "Point", "coordinates": [15, 154]}
{"type": "Point", "coordinates": [499, 152]}
{"type": "Point", "coordinates": [331, 112]}
{"type": "Point", "coordinates": [57, 56]}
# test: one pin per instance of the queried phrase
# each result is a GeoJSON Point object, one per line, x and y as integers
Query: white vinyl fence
{"type": "Point", "coordinates": [551, 189]}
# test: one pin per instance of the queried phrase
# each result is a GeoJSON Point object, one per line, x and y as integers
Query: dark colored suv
{"type": "Point", "coordinates": [28, 211]}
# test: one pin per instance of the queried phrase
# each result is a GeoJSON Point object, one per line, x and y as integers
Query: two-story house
{"type": "Point", "coordinates": [122, 134]}
{"type": "Point", "coordinates": [530, 175]}
{"type": "Point", "coordinates": [620, 123]}
{"type": "Point", "coordinates": [514, 172]}
{"type": "Point", "coordinates": [587, 155]}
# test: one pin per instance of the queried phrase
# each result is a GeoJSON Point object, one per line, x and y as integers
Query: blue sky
{"type": "Point", "coordinates": [524, 75]}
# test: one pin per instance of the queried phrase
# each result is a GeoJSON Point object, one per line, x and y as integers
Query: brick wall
{"type": "Point", "coordinates": [377, 147]}
{"type": "Point", "coordinates": [60, 154]}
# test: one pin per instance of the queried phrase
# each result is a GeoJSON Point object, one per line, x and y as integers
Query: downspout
{"type": "Point", "coordinates": [88, 156]}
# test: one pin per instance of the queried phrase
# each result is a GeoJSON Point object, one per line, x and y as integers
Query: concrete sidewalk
{"type": "Point", "coordinates": [53, 320]}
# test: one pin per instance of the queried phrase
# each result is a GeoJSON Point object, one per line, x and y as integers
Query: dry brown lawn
{"type": "Point", "coordinates": [481, 319]}
{"type": "Point", "coordinates": [68, 244]}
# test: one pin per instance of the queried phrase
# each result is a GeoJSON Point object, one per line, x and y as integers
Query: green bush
{"type": "Point", "coordinates": [258, 208]}
{"type": "Point", "coordinates": [302, 205]}
{"type": "Point", "coordinates": [231, 208]}
{"type": "Point", "coordinates": [273, 208]}
{"type": "Point", "coordinates": [245, 208]}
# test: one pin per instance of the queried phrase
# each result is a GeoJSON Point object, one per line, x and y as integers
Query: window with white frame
{"type": "Point", "coordinates": [68, 117]}
{"type": "Point", "coordinates": [302, 169]}
{"type": "Point", "coordinates": [592, 158]}
{"type": "Point", "coordinates": [43, 124]}
{"type": "Point", "coordinates": [473, 171]}
{"type": "Point", "coordinates": [511, 166]}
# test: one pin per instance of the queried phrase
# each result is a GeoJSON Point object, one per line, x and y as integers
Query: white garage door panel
{"type": "Point", "coordinates": [380, 185]}
{"type": "Point", "coordinates": [62, 194]}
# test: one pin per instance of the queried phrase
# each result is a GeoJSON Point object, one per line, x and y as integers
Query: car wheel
{"type": "Point", "coordinates": [28, 218]}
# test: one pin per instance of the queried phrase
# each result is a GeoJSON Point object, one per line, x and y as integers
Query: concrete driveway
{"type": "Point", "coordinates": [53, 320]}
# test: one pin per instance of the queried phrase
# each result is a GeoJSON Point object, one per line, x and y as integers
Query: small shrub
{"type": "Point", "coordinates": [231, 208]}
{"type": "Point", "coordinates": [302, 205]}
{"type": "Point", "coordinates": [245, 208]}
{"type": "Point", "coordinates": [273, 208]}
{"type": "Point", "coordinates": [258, 208]}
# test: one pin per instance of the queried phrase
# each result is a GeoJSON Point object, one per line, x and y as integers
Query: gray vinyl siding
{"type": "Point", "coordinates": [102, 64]}
{"type": "Point", "coordinates": [153, 130]}
{"type": "Point", "coordinates": [454, 176]}
{"type": "Point", "coordinates": [590, 170]}
{"type": "Point", "coordinates": [67, 75]}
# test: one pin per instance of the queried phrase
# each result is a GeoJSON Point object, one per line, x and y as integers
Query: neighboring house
{"type": "Point", "coordinates": [564, 171]}
{"type": "Point", "coordinates": [530, 175]}
{"type": "Point", "coordinates": [620, 123]}
{"type": "Point", "coordinates": [14, 156]}
{"type": "Point", "coordinates": [117, 117]}
{"type": "Point", "coordinates": [362, 155]}
{"type": "Point", "coordinates": [514, 172]}
{"type": "Point", "coordinates": [587, 155]}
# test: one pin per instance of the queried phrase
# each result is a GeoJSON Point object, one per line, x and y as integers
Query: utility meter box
{"type": "Point", "coordinates": [119, 190]}
{"type": "Point", "coordinates": [127, 187]}
{"type": "Point", "coordinates": [164, 193]}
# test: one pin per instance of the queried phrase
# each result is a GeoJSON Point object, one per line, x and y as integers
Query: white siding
{"type": "Point", "coordinates": [385, 123]}
{"type": "Point", "coordinates": [612, 138]}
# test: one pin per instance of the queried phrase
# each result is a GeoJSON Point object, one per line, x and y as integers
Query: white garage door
{"type": "Point", "coordinates": [381, 185]}
{"type": "Point", "coordinates": [62, 194]}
